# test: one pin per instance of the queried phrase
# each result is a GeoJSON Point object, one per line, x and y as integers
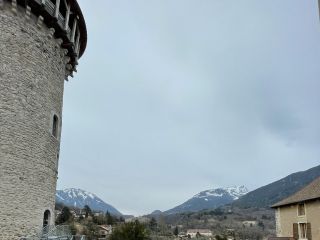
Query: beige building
{"type": "Point", "coordinates": [298, 216]}
{"type": "Point", "coordinates": [249, 223]}
{"type": "Point", "coordinates": [104, 231]}
{"type": "Point", "coordinates": [199, 232]}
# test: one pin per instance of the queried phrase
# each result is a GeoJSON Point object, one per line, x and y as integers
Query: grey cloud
{"type": "Point", "coordinates": [174, 97]}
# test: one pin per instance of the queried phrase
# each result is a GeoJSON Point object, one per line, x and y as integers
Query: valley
{"type": "Point", "coordinates": [230, 213]}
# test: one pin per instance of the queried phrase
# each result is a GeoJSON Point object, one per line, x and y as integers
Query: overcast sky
{"type": "Point", "coordinates": [173, 97]}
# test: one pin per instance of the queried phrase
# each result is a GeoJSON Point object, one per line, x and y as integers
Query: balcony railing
{"type": "Point", "coordinates": [50, 8]}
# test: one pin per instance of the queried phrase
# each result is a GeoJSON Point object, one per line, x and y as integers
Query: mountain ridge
{"type": "Point", "coordinates": [272, 193]}
{"type": "Point", "coordinates": [210, 199]}
{"type": "Point", "coordinates": [75, 197]}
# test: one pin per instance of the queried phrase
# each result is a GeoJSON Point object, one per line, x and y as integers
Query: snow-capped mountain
{"type": "Point", "coordinates": [79, 198]}
{"type": "Point", "coordinates": [234, 192]}
{"type": "Point", "coordinates": [210, 199]}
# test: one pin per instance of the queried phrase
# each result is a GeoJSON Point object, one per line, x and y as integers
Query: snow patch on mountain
{"type": "Point", "coordinates": [210, 199]}
{"type": "Point", "coordinates": [79, 198]}
{"type": "Point", "coordinates": [235, 192]}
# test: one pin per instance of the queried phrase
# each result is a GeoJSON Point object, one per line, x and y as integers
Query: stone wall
{"type": "Point", "coordinates": [32, 73]}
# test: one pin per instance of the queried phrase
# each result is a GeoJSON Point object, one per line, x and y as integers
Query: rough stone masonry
{"type": "Point", "coordinates": [38, 51]}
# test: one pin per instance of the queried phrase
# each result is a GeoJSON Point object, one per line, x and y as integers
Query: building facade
{"type": "Point", "coordinates": [193, 233]}
{"type": "Point", "coordinates": [40, 44]}
{"type": "Point", "coordinates": [297, 217]}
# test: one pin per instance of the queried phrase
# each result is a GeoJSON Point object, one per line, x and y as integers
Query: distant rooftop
{"type": "Point", "coordinates": [198, 231]}
{"type": "Point", "coordinates": [310, 192]}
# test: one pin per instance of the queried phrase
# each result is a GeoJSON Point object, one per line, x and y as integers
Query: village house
{"type": "Point", "coordinates": [182, 235]}
{"type": "Point", "coordinates": [249, 223]}
{"type": "Point", "coordinates": [104, 231]}
{"type": "Point", "coordinates": [297, 217]}
{"type": "Point", "coordinates": [199, 232]}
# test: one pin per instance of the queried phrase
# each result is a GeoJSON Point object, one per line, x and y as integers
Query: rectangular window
{"type": "Point", "coordinates": [302, 231]}
{"type": "Point", "coordinates": [301, 210]}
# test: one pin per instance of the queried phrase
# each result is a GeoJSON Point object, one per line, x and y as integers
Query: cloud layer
{"type": "Point", "coordinates": [174, 97]}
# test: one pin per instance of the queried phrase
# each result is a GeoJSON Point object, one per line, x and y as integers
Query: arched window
{"type": "Point", "coordinates": [46, 218]}
{"type": "Point", "coordinates": [55, 126]}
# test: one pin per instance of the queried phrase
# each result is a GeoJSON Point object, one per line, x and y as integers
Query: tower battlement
{"type": "Point", "coordinates": [64, 19]}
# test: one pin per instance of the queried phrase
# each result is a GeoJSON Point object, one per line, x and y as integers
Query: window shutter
{"type": "Point", "coordinates": [309, 233]}
{"type": "Point", "coordinates": [295, 231]}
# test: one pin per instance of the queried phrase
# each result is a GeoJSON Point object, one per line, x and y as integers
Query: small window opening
{"type": "Point", "coordinates": [46, 218]}
{"type": "Point", "coordinates": [55, 126]}
{"type": "Point", "coordinates": [301, 209]}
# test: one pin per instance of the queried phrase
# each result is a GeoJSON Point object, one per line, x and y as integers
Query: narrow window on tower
{"type": "Point", "coordinates": [46, 219]}
{"type": "Point", "coordinates": [55, 126]}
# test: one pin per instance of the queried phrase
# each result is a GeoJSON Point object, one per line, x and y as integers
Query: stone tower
{"type": "Point", "coordinates": [40, 44]}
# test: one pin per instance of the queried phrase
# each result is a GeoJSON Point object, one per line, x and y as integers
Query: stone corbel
{"type": "Point", "coordinates": [40, 21]}
{"type": "Point", "coordinates": [28, 13]}
{"type": "Point", "coordinates": [67, 59]}
{"type": "Point", "coordinates": [51, 33]}
{"type": "Point", "coordinates": [14, 6]}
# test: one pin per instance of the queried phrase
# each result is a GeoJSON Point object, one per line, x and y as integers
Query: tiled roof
{"type": "Point", "coordinates": [281, 238]}
{"type": "Point", "coordinates": [198, 231]}
{"type": "Point", "coordinates": [310, 192]}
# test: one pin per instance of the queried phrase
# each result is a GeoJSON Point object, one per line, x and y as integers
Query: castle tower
{"type": "Point", "coordinates": [40, 44]}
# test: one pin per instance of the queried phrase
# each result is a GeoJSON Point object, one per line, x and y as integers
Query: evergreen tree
{"type": "Point", "coordinates": [87, 210]}
{"type": "Point", "coordinates": [163, 228]}
{"type": "Point", "coordinates": [153, 224]}
{"type": "Point", "coordinates": [110, 219]}
{"type": "Point", "coordinates": [65, 216]}
{"type": "Point", "coordinates": [91, 231]}
{"type": "Point", "coordinates": [176, 231]}
{"type": "Point", "coordinates": [130, 231]}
